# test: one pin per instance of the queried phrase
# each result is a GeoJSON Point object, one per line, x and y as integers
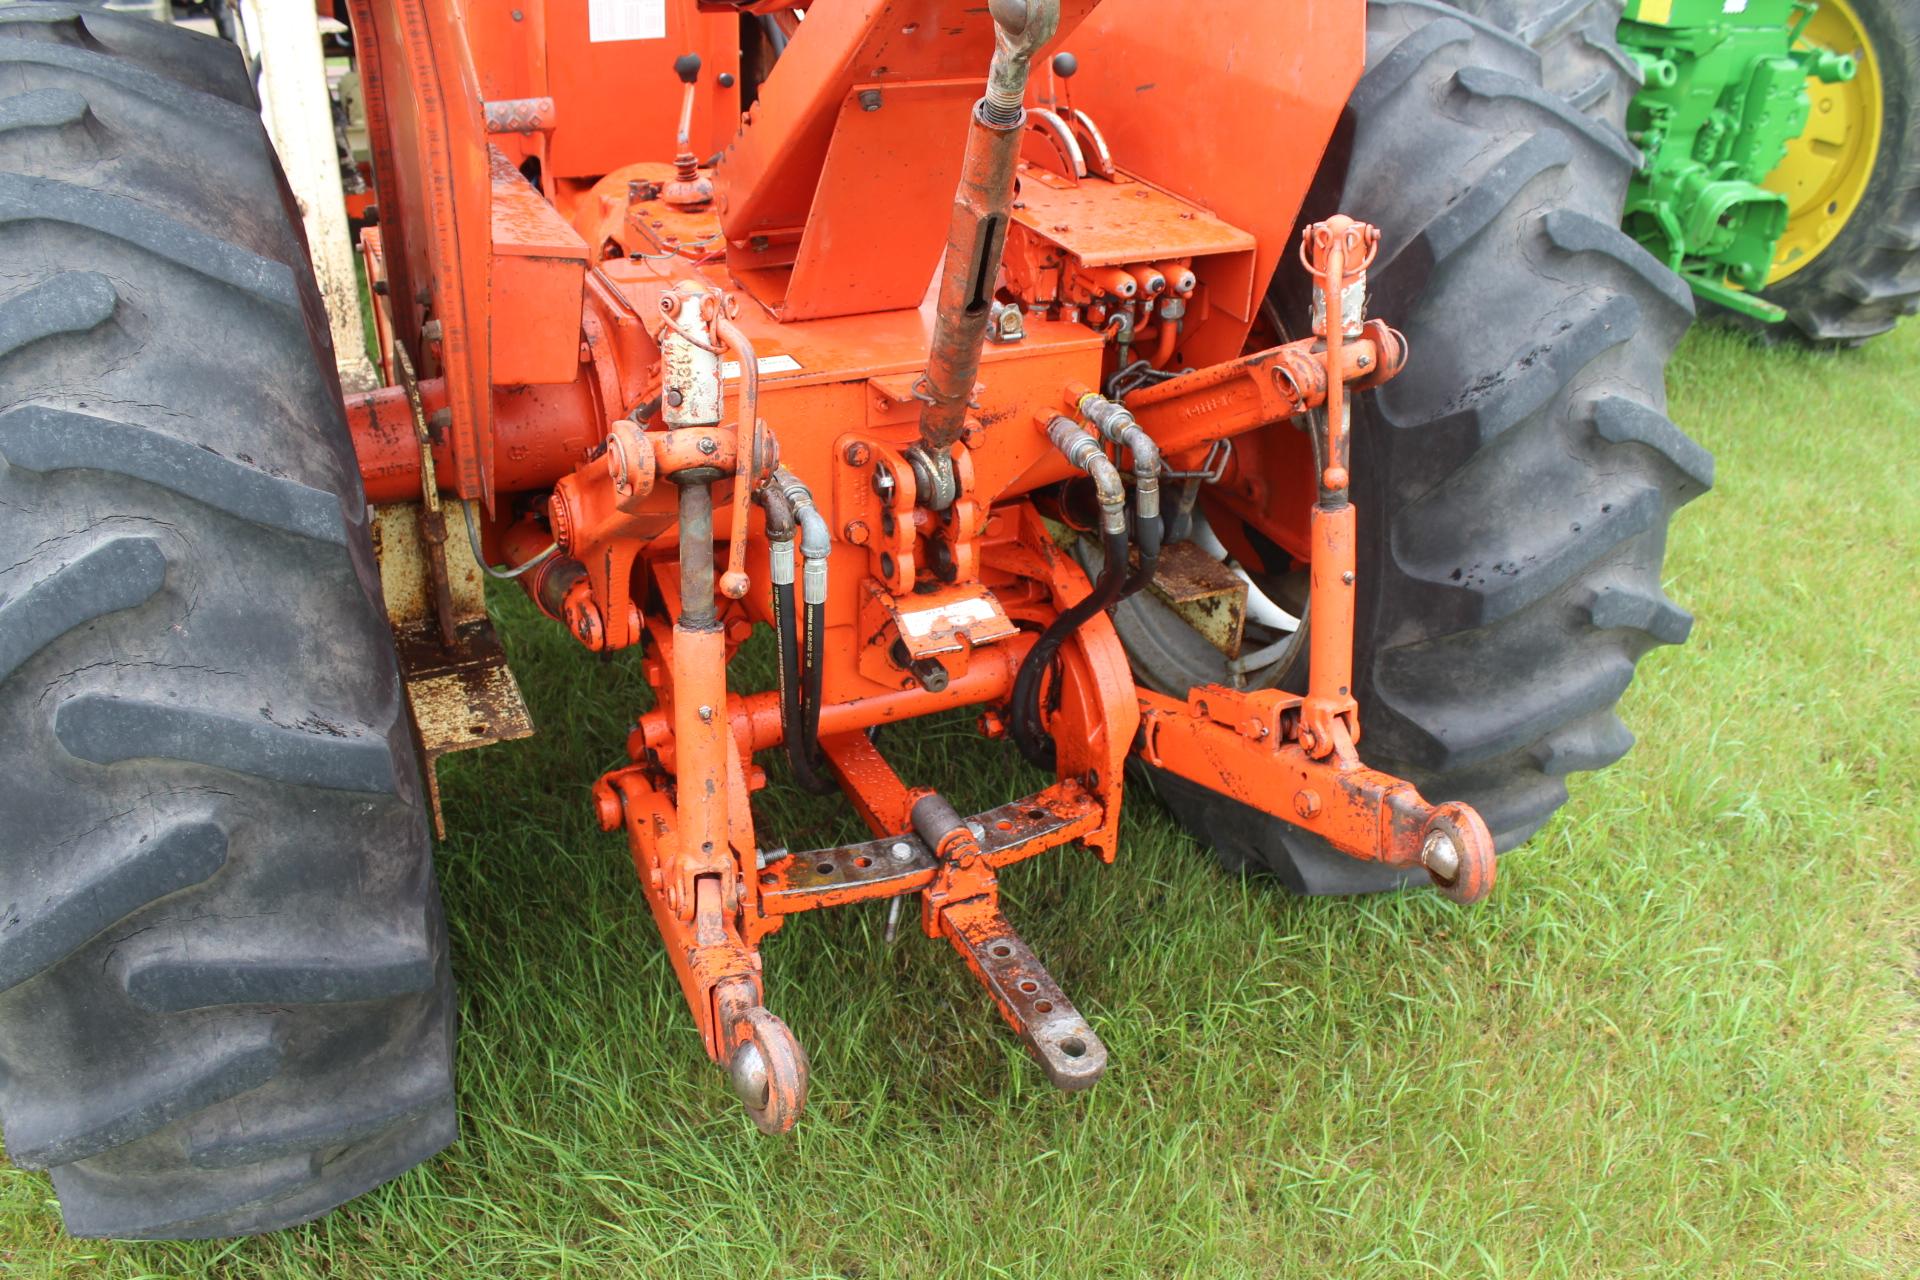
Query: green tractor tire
{"type": "Point", "coordinates": [1848, 265]}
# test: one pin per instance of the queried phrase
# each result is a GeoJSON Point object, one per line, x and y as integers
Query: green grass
{"type": "Point", "coordinates": [1678, 1040]}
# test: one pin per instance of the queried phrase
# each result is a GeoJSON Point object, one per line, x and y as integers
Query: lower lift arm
{"type": "Point", "coordinates": [1292, 756]}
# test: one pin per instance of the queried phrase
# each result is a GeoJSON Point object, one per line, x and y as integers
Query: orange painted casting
{"type": "Point", "coordinates": [711, 354]}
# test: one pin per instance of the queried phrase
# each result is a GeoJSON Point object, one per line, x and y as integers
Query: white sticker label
{"type": "Point", "coordinates": [1734, 6]}
{"type": "Point", "coordinates": [626, 20]}
{"type": "Point", "coordinates": [950, 617]}
{"type": "Point", "coordinates": [768, 364]}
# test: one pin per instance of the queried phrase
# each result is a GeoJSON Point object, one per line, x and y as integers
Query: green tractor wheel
{"type": "Point", "coordinates": [1848, 265]}
{"type": "Point", "coordinates": [1782, 147]}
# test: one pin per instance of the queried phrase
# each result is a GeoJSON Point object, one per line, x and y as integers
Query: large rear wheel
{"type": "Point", "coordinates": [1848, 266]}
{"type": "Point", "coordinates": [1514, 484]}
{"type": "Point", "coordinates": [224, 994]}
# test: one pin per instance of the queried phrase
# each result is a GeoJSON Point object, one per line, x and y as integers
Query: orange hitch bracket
{"type": "Point", "coordinates": [1291, 755]}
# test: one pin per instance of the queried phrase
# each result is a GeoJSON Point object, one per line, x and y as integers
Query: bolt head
{"type": "Point", "coordinates": [1306, 802]}
{"type": "Point", "coordinates": [858, 454]}
{"type": "Point", "coordinates": [857, 532]}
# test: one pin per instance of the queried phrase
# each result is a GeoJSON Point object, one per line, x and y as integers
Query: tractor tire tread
{"type": "Point", "coordinates": [1580, 60]}
{"type": "Point", "coordinates": [1868, 277]}
{"type": "Point", "coordinates": [182, 57]}
{"type": "Point", "coordinates": [225, 998]}
{"type": "Point", "coordinates": [1515, 483]}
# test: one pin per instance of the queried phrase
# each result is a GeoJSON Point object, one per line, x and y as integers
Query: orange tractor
{"type": "Point", "coordinates": [1252, 404]}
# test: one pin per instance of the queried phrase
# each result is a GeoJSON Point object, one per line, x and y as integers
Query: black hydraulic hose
{"type": "Point", "coordinates": [1116, 423]}
{"type": "Point", "coordinates": [799, 722]}
{"type": "Point", "coordinates": [801, 635]}
{"type": "Point", "coordinates": [810, 700]}
{"type": "Point", "coordinates": [1148, 532]}
{"type": "Point", "coordinates": [1083, 451]}
{"type": "Point", "coordinates": [801, 747]}
{"type": "Point", "coordinates": [1033, 744]}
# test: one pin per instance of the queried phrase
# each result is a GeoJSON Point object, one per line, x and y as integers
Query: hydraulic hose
{"type": "Point", "coordinates": [1083, 451]}
{"type": "Point", "coordinates": [1115, 422]}
{"type": "Point", "coordinates": [800, 748]}
{"type": "Point", "coordinates": [801, 642]}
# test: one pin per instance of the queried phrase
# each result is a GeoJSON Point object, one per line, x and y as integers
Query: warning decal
{"type": "Point", "coordinates": [626, 20]}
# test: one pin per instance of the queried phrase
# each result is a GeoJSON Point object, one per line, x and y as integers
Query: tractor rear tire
{"type": "Point", "coordinates": [1868, 276]}
{"type": "Point", "coordinates": [1580, 58]}
{"type": "Point", "coordinates": [1514, 484]}
{"type": "Point", "coordinates": [225, 1003]}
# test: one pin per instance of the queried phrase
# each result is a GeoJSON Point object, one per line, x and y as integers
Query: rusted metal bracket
{"type": "Point", "coordinates": [1026, 994]}
{"type": "Point", "coordinates": [1246, 746]}
{"type": "Point", "coordinates": [1207, 596]}
{"type": "Point", "coordinates": [433, 521]}
{"type": "Point", "coordinates": [460, 692]}
{"type": "Point", "coordinates": [461, 695]}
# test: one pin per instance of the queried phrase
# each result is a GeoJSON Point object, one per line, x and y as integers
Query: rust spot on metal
{"type": "Point", "coordinates": [1207, 595]}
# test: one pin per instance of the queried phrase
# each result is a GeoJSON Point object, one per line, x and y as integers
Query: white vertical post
{"type": "Point", "coordinates": [285, 36]}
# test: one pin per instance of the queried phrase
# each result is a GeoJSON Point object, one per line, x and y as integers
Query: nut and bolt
{"type": "Point", "coordinates": [901, 851]}
{"type": "Point", "coordinates": [857, 532]}
{"type": "Point", "coordinates": [709, 446]}
{"type": "Point", "coordinates": [869, 99]}
{"type": "Point", "coordinates": [857, 454]}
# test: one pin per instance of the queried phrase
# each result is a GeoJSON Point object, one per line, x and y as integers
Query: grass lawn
{"type": "Point", "coordinates": [1680, 1039]}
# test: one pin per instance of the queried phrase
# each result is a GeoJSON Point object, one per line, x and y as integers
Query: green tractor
{"type": "Point", "coordinates": [1779, 146]}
